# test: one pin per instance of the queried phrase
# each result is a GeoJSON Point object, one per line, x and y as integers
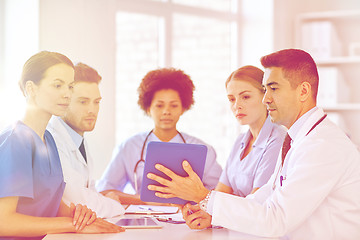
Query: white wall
{"type": "Point", "coordinates": [2, 23]}
{"type": "Point", "coordinates": [84, 30]}
{"type": "Point", "coordinates": [285, 12]}
{"type": "Point", "coordinates": [18, 40]}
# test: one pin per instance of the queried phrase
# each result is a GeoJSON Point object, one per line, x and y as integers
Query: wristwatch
{"type": "Point", "coordinates": [203, 203]}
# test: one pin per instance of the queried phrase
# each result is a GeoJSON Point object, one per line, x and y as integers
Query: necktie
{"type": "Point", "coordinates": [285, 148]}
{"type": "Point", "coordinates": [82, 150]}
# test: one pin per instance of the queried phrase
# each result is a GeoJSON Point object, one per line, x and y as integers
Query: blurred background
{"type": "Point", "coordinates": [208, 39]}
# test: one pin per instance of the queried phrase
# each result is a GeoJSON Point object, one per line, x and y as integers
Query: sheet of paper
{"type": "Point", "coordinates": [176, 218]}
{"type": "Point", "coordinates": [150, 209]}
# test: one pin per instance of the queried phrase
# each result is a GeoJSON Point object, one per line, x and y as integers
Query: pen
{"type": "Point", "coordinates": [169, 219]}
{"type": "Point", "coordinates": [146, 208]}
{"type": "Point", "coordinates": [281, 180]}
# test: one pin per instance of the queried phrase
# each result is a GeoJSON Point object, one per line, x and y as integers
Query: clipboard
{"type": "Point", "coordinates": [171, 155]}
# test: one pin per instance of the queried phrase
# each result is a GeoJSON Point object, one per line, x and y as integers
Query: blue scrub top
{"type": "Point", "coordinates": [257, 167]}
{"type": "Point", "coordinates": [31, 170]}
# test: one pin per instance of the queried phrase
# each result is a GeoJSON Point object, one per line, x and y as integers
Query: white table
{"type": "Point", "coordinates": [168, 232]}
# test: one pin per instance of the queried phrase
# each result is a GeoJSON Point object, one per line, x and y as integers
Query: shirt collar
{"type": "Point", "coordinates": [175, 139]}
{"type": "Point", "coordinates": [295, 128]}
{"type": "Point", "coordinates": [77, 138]}
{"type": "Point", "coordinates": [245, 139]}
{"type": "Point", "coordinates": [265, 132]}
{"type": "Point", "coordinates": [262, 139]}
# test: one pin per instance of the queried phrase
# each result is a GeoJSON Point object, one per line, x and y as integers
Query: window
{"type": "Point", "coordinates": [19, 31]}
{"type": "Point", "coordinates": [137, 53]}
{"type": "Point", "coordinates": [205, 53]}
{"type": "Point", "coordinates": [207, 40]}
{"type": "Point", "coordinates": [219, 5]}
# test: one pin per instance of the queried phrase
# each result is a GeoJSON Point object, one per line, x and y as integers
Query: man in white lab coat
{"type": "Point", "coordinates": [68, 132]}
{"type": "Point", "coordinates": [314, 191]}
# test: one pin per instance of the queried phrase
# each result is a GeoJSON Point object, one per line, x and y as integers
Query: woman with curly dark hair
{"type": "Point", "coordinates": [164, 95]}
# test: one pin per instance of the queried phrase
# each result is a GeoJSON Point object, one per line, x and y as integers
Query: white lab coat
{"type": "Point", "coordinates": [80, 187]}
{"type": "Point", "coordinates": [319, 198]}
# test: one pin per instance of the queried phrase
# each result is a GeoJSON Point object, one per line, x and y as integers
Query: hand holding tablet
{"type": "Point", "coordinates": [164, 172]}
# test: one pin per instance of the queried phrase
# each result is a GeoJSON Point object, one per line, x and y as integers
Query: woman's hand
{"type": "Point", "coordinates": [102, 226]}
{"type": "Point", "coordinates": [82, 216]}
{"type": "Point", "coordinates": [196, 218]}
{"type": "Point", "coordinates": [188, 188]}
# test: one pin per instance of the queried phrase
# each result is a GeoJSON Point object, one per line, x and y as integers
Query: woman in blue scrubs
{"type": "Point", "coordinates": [253, 156]}
{"type": "Point", "coordinates": [31, 180]}
{"type": "Point", "coordinates": [254, 153]}
{"type": "Point", "coordinates": [164, 95]}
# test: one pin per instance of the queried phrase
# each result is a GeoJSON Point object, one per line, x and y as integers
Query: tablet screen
{"type": "Point", "coordinates": [170, 155]}
{"type": "Point", "coordinates": [143, 222]}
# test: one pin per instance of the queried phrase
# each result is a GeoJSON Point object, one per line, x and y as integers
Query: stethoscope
{"type": "Point", "coordinates": [281, 167]}
{"type": "Point", "coordinates": [142, 157]}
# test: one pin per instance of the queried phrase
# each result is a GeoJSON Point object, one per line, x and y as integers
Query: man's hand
{"type": "Point", "coordinates": [188, 188]}
{"type": "Point", "coordinates": [196, 218]}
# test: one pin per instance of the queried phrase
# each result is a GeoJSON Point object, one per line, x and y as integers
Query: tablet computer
{"type": "Point", "coordinates": [139, 222]}
{"type": "Point", "coordinates": [170, 155]}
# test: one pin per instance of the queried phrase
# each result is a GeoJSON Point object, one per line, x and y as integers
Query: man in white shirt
{"type": "Point", "coordinates": [314, 191]}
{"type": "Point", "coordinates": [68, 132]}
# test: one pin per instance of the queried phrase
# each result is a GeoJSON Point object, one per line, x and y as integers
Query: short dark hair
{"type": "Point", "coordinates": [297, 66]}
{"type": "Point", "coordinates": [85, 73]}
{"type": "Point", "coordinates": [248, 73]}
{"type": "Point", "coordinates": [166, 78]}
{"type": "Point", "coordinates": [36, 66]}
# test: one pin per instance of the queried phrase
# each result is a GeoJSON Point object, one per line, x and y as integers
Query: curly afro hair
{"type": "Point", "coordinates": [166, 78]}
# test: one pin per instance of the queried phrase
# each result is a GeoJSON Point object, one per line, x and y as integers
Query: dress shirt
{"type": "Point", "coordinates": [80, 187]}
{"type": "Point", "coordinates": [77, 138]}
